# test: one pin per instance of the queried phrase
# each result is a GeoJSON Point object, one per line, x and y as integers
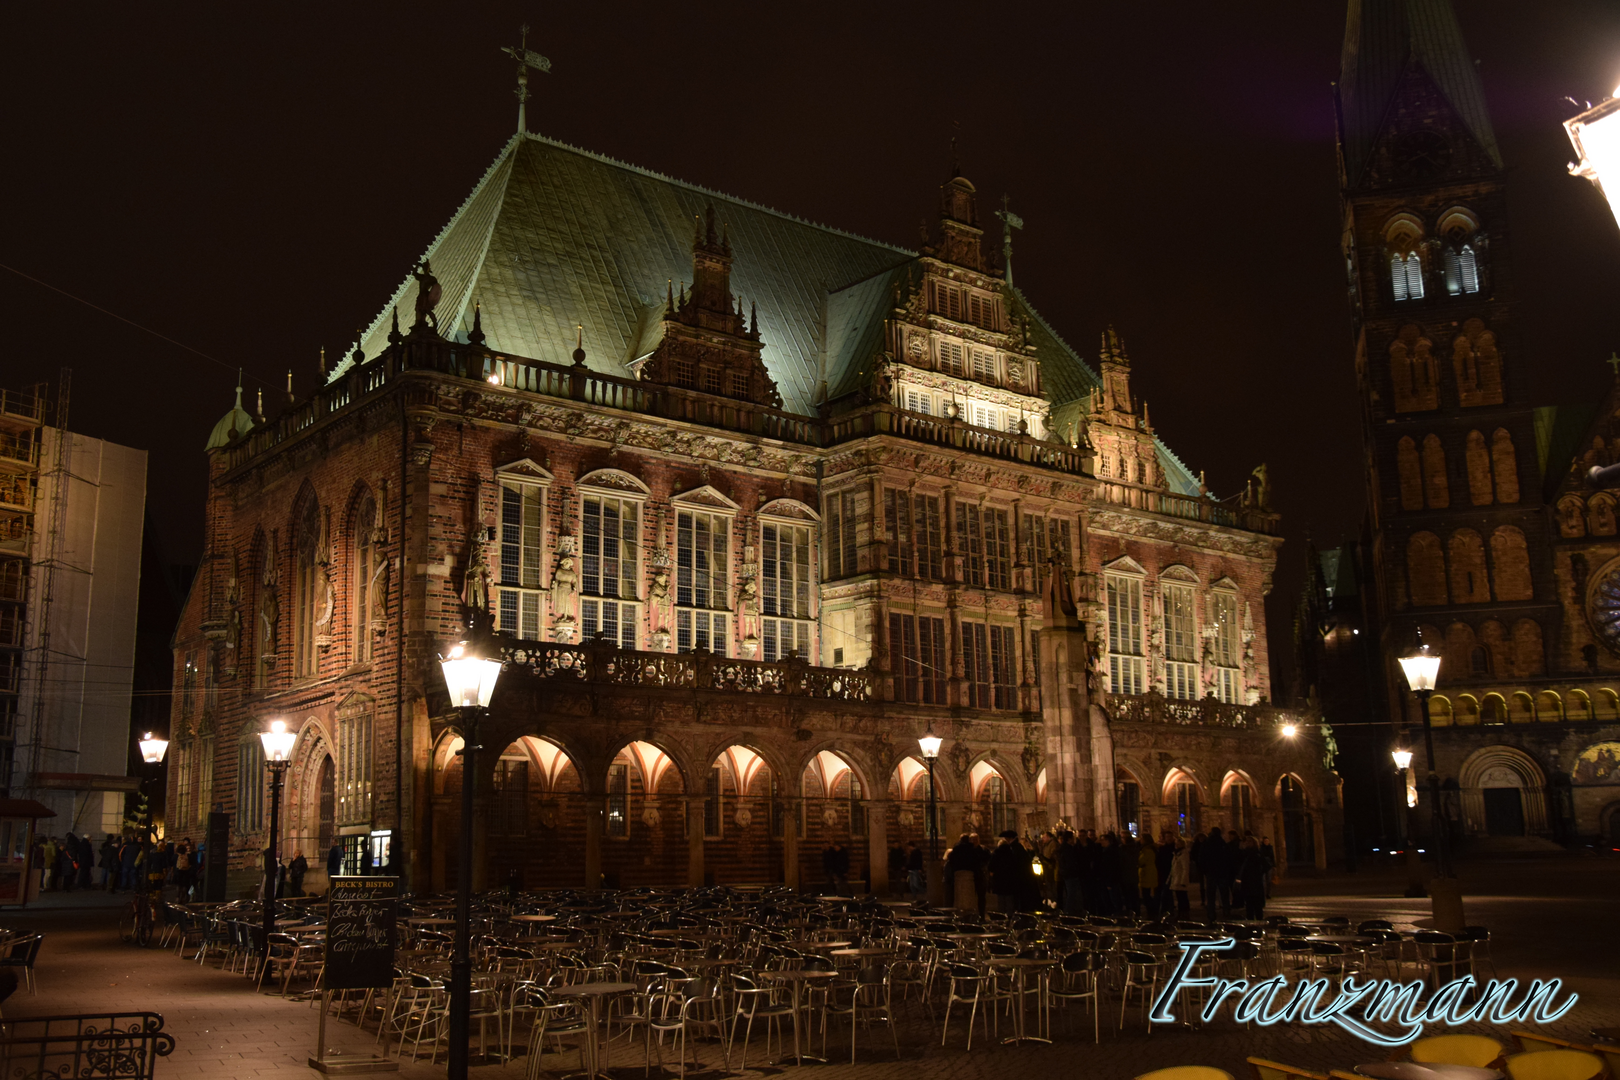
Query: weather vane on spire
{"type": "Point", "coordinates": [526, 60]}
{"type": "Point", "coordinates": [1009, 222]}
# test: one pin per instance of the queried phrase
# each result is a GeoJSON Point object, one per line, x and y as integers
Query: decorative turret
{"type": "Point", "coordinates": [709, 344]}
{"type": "Point", "coordinates": [233, 425]}
{"type": "Point", "coordinates": [1116, 374]}
{"type": "Point", "coordinates": [960, 237]}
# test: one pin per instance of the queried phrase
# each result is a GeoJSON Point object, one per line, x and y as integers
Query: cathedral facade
{"type": "Point", "coordinates": [747, 505]}
{"type": "Point", "coordinates": [1485, 544]}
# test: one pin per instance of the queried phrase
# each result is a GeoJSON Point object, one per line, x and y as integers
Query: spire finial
{"type": "Point", "coordinates": [394, 336]}
{"type": "Point", "coordinates": [579, 345]}
{"type": "Point", "coordinates": [259, 412]}
{"type": "Point", "coordinates": [290, 398]}
{"type": "Point", "coordinates": [669, 296]}
{"type": "Point", "coordinates": [476, 336]}
{"type": "Point", "coordinates": [323, 361]}
{"type": "Point", "coordinates": [525, 60]}
{"type": "Point", "coordinates": [358, 356]}
{"type": "Point", "coordinates": [1009, 222]}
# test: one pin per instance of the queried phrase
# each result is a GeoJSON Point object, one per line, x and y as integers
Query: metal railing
{"type": "Point", "coordinates": [1155, 708]}
{"type": "Point", "coordinates": [116, 1046]}
{"type": "Point", "coordinates": [605, 664]}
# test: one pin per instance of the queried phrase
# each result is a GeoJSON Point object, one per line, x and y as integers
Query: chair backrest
{"type": "Point", "coordinates": [1276, 1070]}
{"type": "Point", "coordinates": [1374, 924]}
{"type": "Point", "coordinates": [1475, 1050]}
{"type": "Point", "coordinates": [1077, 962]}
{"type": "Point", "coordinates": [1554, 1065]}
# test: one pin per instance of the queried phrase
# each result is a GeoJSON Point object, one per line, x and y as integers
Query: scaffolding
{"type": "Point", "coordinates": [22, 422]}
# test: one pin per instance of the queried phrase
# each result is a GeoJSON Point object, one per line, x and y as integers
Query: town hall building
{"type": "Point", "coordinates": [747, 505]}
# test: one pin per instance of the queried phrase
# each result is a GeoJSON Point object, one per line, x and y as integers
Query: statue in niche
{"type": "Point", "coordinates": [564, 583]}
{"type": "Point", "coordinates": [269, 606]}
{"type": "Point", "coordinates": [428, 293]}
{"type": "Point", "coordinates": [326, 596]}
{"type": "Point", "coordinates": [475, 583]}
{"type": "Point", "coordinates": [748, 617]}
{"type": "Point", "coordinates": [659, 599]}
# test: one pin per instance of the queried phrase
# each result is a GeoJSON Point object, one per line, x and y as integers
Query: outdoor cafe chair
{"type": "Point", "coordinates": [1554, 1065]}
{"type": "Point", "coordinates": [754, 1002]}
{"type": "Point", "coordinates": [973, 987]}
{"type": "Point", "coordinates": [558, 1019]}
{"type": "Point", "coordinates": [1479, 949]}
{"type": "Point", "coordinates": [864, 1000]}
{"type": "Point", "coordinates": [1077, 981]}
{"type": "Point", "coordinates": [1142, 975]}
{"type": "Point", "coordinates": [1441, 954]}
{"type": "Point", "coordinates": [22, 953]}
{"type": "Point", "coordinates": [1476, 1051]}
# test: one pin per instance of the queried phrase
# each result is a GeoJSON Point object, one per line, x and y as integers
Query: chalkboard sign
{"type": "Point", "coordinates": [360, 932]}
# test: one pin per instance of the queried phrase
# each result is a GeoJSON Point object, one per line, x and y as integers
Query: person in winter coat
{"type": "Point", "coordinates": [1129, 877]}
{"type": "Point", "coordinates": [1251, 880]}
{"type": "Point", "coordinates": [1180, 877]}
{"type": "Point", "coordinates": [1010, 876]}
{"type": "Point", "coordinates": [916, 873]}
{"type": "Point", "coordinates": [295, 874]}
{"type": "Point", "coordinates": [1164, 855]}
{"type": "Point", "coordinates": [108, 864]}
{"type": "Point", "coordinates": [1071, 874]}
{"type": "Point", "coordinates": [1147, 873]}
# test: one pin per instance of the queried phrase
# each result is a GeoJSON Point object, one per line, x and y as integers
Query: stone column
{"type": "Point", "coordinates": [694, 841]}
{"type": "Point", "coordinates": [877, 846]}
{"type": "Point", "coordinates": [790, 844]}
{"type": "Point", "coordinates": [593, 841]}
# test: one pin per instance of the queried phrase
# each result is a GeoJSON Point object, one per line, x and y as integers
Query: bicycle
{"type": "Point", "coordinates": [140, 917]}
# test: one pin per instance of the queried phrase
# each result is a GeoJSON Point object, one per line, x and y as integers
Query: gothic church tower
{"type": "Point", "coordinates": [1459, 535]}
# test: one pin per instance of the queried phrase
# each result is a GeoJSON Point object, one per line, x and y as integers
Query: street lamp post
{"type": "Point", "coordinates": [152, 751]}
{"type": "Point", "coordinates": [930, 744]}
{"type": "Point", "coordinates": [1422, 670]}
{"type": "Point", "coordinates": [1414, 866]}
{"type": "Point", "coordinates": [278, 744]}
{"type": "Point", "coordinates": [470, 678]}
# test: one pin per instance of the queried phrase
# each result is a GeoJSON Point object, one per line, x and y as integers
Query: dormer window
{"type": "Point", "coordinates": [948, 301]}
{"type": "Point", "coordinates": [951, 358]}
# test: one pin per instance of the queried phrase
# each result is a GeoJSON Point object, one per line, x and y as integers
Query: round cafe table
{"type": "Point", "coordinates": [1411, 1070]}
{"type": "Point", "coordinates": [1609, 1035]}
{"type": "Point", "coordinates": [430, 922]}
{"type": "Point", "coordinates": [534, 918]}
{"type": "Point", "coordinates": [594, 993]}
{"type": "Point", "coordinates": [796, 980]}
{"type": "Point", "coordinates": [1021, 966]}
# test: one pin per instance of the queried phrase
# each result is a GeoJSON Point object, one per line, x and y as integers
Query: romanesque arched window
{"type": "Point", "coordinates": [1528, 656]}
{"type": "Point", "coordinates": [1459, 231]}
{"type": "Point", "coordinates": [1434, 473]}
{"type": "Point", "coordinates": [1469, 584]}
{"type": "Point", "coordinates": [1406, 275]}
{"type": "Point", "coordinates": [1410, 469]}
{"type": "Point", "coordinates": [1413, 371]}
{"type": "Point", "coordinates": [1479, 470]}
{"type": "Point", "coordinates": [1505, 463]}
{"type": "Point", "coordinates": [1426, 569]}
{"type": "Point", "coordinates": [1511, 564]}
{"type": "Point", "coordinates": [1477, 365]}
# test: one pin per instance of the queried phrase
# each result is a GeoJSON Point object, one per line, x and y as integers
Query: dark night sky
{"type": "Point", "coordinates": [257, 189]}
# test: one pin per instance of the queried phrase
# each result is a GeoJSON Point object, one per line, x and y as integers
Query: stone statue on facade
{"type": "Point", "coordinates": [564, 583]}
{"type": "Point", "coordinates": [660, 601]}
{"type": "Point", "coordinates": [475, 583]}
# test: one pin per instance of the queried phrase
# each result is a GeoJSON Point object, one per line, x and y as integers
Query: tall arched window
{"type": "Point", "coordinates": [1506, 465]}
{"type": "Point", "coordinates": [1411, 474]}
{"type": "Point", "coordinates": [1511, 564]}
{"type": "Point", "coordinates": [250, 784]}
{"type": "Point", "coordinates": [1434, 473]}
{"type": "Point", "coordinates": [1406, 275]}
{"type": "Point", "coordinates": [1468, 581]}
{"type": "Point", "coordinates": [365, 511]}
{"type": "Point", "coordinates": [1479, 470]}
{"type": "Point", "coordinates": [1426, 569]}
{"type": "Point", "coordinates": [1462, 270]}
{"type": "Point", "coordinates": [308, 591]}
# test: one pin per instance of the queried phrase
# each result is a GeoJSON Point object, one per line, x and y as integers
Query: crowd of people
{"type": "Point", "coordinates": [123, 863]}
{"type": "Point", "coordinates": [1083, 874]}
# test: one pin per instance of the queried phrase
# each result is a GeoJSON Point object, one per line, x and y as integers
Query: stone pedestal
{"type": "Point", "coordinates": [1445, 894]}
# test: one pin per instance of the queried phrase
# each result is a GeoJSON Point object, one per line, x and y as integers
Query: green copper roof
{"type": "Point", "coordinates": [1382, 40]}
{"type": "Point", "coordinates": [554, 236]}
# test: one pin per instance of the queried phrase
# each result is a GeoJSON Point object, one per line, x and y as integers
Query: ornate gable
{"type": "Point", "coordinates": [708, 344]}
{"type": "Point", "coordinates": [616, 479]}
{"type": "Point", "coordinates": [788, 508]}
{"type": "Point", "coordinates": [524, 469]}
{"type": "Point", "coordinates": [706, 496]}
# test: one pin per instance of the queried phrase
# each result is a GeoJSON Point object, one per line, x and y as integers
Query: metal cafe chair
{"type": "Point", "coordinates": [973, 987]}
{"type": "Point", "coordinates": [1142, 975]}
{"type": "Point", "coordinates": [754, 1002]}
{"type": "Point", "coordinates": [1077, 981]}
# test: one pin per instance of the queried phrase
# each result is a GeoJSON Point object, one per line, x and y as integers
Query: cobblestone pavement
{"type": "Point", "coordinates": [1550, 917]}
